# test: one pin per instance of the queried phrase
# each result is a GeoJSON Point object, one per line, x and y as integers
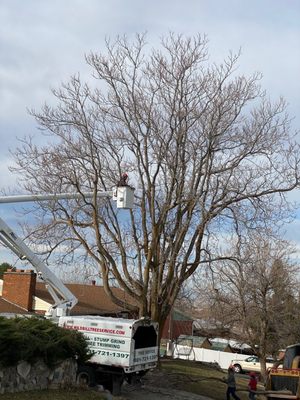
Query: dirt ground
{"type": "Point", "coordinates": [155, 387]}
{"type": "Point", "coordinates": [147, 392]}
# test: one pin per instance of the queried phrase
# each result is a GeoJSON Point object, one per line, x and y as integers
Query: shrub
{"type": "Point", "coordinates": [33, 339]}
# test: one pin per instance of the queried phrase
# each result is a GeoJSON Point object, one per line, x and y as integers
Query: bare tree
{"type": "Point", "coordinates": [256, 291]}
{"type": "Point", "coordinates": [199, 142]}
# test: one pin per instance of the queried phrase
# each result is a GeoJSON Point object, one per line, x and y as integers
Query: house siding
{"type": "Point", "coordinates": [174, 328]}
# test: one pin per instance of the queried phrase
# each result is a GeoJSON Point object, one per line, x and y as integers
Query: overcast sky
{"type": "Point", "coordinates": [43, 42]}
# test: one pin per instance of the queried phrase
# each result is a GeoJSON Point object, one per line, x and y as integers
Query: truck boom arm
{"type": "Point", "coordinates": [43, 197]}
{"type": "Point", "coordinates": [64, 300]}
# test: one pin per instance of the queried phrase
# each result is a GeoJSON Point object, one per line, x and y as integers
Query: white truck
{"type": "Point", "coordinates": [123, 348]}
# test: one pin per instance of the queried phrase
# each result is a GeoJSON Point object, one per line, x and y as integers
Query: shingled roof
{"type": "Point", "coordinates": [20, 293]}
{"type": "Point", "coordinates": [7, 307]}
{"type": "Point", "coordinates": [92, 299]}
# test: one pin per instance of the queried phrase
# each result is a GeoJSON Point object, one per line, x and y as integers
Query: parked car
{"type": "Point", "coordinates": [251, 363]}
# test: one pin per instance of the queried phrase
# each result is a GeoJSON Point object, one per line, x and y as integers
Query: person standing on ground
{"type": "Point", "coordinates": [252, 386]}
{"type": "Point", "coordinates": [231, 385]}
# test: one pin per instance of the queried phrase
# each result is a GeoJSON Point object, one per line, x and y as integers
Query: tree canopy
{"type": "Point", "coordinates": [205, 148]}
{"type": "Point", "coordinates": [254, 294]}
{"type": "Point", "coordinates": [3, 267]}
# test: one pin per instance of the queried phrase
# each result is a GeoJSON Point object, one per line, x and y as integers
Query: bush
{"type": "Point", "coordinates": [33, 339]}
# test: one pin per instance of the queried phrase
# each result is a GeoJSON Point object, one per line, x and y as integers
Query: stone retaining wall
{"type": "Point", "coordinates": [25, 377]}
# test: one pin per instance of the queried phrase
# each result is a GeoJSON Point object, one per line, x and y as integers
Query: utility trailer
{"type": "Point", "coordinates": [123, 348]}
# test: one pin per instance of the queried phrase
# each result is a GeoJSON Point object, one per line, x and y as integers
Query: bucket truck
{"type": "Point", "coordinates": [122, 348]}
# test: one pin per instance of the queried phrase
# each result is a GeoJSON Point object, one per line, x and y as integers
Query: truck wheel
{"type": "Point", "coordinates": [237, 368]}
{"type": "Point", "coordinates": [86, 376]}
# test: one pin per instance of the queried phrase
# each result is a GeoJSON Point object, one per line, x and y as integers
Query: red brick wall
{"type": "Point", "coordinates": [19, 288]}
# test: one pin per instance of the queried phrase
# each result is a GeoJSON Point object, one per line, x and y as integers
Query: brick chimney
{"type": "Point", "coordinates": [19, 287]}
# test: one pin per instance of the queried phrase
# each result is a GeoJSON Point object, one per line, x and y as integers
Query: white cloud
{"type": "Point", "coordinates": [7, 179]}
{"type": "Point", "coordinates": [43, 42]}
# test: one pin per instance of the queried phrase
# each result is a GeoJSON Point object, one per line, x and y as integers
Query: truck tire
{"type": "Point", "coordinates": [86, 376]}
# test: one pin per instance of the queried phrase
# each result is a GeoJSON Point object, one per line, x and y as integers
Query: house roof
{"type": "Point", "coordinates": [232, 343]}
{"type": "Point", "coordinates": [197, 341]}
{"type": "Point", "coordinates": [220, 346]}
{"type": "Point", "coordinates": [179, 315]}
{"type": "Point", "coordinates": [7, 307]}
{"type": "Point", "coordinates": [92, 299]}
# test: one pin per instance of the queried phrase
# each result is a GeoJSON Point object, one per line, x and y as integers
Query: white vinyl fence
{"type": "Point", "coordinates": [213, 356]}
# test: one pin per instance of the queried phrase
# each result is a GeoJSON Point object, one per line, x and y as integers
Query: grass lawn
{"type": "Point", "coordinates": [190, 376]}
{"type": "Point", "coordinates": [199, 378]}
{"type": "Point", "coordinates": [53, 395]}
